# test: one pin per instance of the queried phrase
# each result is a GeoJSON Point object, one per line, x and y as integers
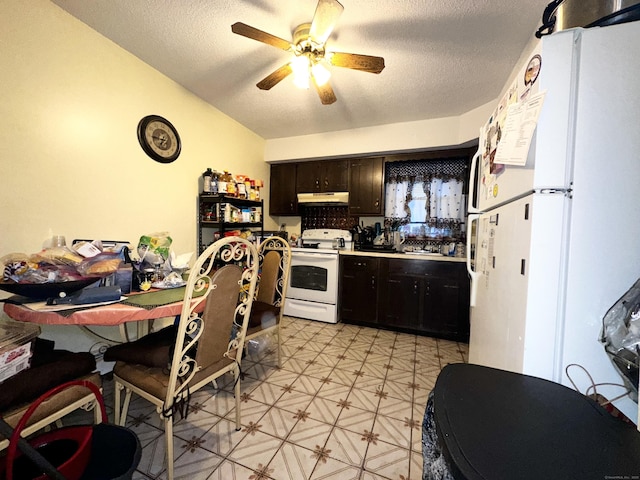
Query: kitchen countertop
{"type": "Point", "coordinates": [437, 258]}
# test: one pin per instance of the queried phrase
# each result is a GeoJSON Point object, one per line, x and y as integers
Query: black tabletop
{"type": "Point", "coordinates": [496, 425]}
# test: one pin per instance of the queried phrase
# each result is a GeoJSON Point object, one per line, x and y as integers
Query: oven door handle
{"type": "Point", "coordinates": [297, 255]}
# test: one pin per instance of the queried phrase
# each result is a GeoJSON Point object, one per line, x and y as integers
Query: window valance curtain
{"type": "Point", "coordinates": [426, 191]}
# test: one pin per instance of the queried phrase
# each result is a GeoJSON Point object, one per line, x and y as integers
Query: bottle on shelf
{"type": "Point", "coordinates": [222, 183]}
{"type": "Point", "coordinates": [214, 182]}
{"type": "Point", "coordinates": [241, 190]}
{"type": "Point", "coordinates": [207, 175]}
{"type": "Point", "coordinates": [231, 184]}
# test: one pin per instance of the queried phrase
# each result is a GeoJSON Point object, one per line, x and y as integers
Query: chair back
{"type": "Point", "coordinates": [215, 313]}
{"type": "Point", "coordinates": [275, 263]}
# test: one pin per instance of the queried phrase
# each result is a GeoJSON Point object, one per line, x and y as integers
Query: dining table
{"type": "Point", "coordinates": [140, 307]}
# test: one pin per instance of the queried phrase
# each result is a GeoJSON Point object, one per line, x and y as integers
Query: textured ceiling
{"type": "Point", "coordinates": [443, 57]}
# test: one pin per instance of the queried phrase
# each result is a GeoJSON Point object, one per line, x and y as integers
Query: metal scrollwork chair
{"type": "Point", "coordinates": [209, 337]}
{"type": "Point", "coordinates": [268, 306]}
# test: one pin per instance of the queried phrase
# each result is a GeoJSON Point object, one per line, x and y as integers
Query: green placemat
{"type": "Point", "coordinates": [151, 300]}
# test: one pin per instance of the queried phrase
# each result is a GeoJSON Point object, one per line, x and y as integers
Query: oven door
{"type": "Point", "coordinates": [313, 277]}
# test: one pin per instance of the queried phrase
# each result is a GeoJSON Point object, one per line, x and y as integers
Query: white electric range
{"type": "Point", "coordinates": [312, 292]}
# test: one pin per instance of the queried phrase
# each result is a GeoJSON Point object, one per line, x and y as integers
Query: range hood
{"type": "Point", "coordinates": [329, 198]}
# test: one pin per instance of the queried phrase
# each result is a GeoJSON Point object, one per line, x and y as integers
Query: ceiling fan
{"type": "Point", "coordinates": [310, 57]}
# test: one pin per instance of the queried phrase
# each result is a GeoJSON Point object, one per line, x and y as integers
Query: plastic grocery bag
{"type": "Point", "coordinates": [154, 248]}
{"type": "Point", "coordinates": [621, 335]}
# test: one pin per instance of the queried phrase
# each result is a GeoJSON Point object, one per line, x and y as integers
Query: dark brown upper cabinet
{"type": "Point", "coordinates": [366, 181]}
{"type": "Point", "coordinates": [282, 189]}
{"type": "Point", "coordinates": [323, 176]}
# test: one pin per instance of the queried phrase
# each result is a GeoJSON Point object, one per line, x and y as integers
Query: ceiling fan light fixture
{"type": "Point", "coordinates": [301, 71]}
{"type": "Point", "coordinates": [320, 73]}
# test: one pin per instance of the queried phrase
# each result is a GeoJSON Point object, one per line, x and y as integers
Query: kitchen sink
{"type": "Point", "coordinates": [424, 252]}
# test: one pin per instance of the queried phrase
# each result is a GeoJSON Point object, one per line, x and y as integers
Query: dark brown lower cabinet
{"type": "Point", "coordinates": [359, 289]}
{"type": "Point", "coordinates": [420, 296]}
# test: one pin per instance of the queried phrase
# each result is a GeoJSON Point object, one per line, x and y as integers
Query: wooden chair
{"type": "Point", "coordinates": [268, 306]}
{"type": "Point", "coordinates": [207, 345]}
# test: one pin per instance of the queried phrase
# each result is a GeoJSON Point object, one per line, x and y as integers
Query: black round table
{"type": "Point", "coordinates": [492, 425]}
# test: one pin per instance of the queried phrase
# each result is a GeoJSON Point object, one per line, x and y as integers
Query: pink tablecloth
{"type": "Point", "coordinates": [114, 314]}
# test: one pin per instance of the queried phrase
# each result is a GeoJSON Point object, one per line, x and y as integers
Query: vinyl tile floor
{"type": "Point", "coordinates": [347, 403]}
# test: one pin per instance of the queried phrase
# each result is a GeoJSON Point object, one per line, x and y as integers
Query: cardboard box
{"type": "Point", "coordinates": [16, 346]}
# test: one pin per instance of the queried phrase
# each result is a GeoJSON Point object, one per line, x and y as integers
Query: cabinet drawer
{"type": "Point", "coordinates": [424, 267]}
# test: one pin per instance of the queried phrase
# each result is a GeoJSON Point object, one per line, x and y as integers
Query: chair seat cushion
{"type": "Point", "coordinates": [49, 368]}
{"type": "Point", "coordinates": [262, 314]}
{"type": "Point", "coordinates": [52, 404]}
{"type": "Point", "coordinates": [155, 380]}
{"type": "Point", "coordinates": [153, 350]}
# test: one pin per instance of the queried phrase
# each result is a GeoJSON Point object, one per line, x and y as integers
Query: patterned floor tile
{"type": "Point", "coordinates": [328, 359]}
{"type": "Point", "coordinates": [335, 470]}
{"type": "Point", "coordinates": [222, 437]}
{"type": "Point", "coordinates": [294, 401]}
{"type": "Point", "coordinates": [370, 384]}
{"type": "Point", "coordinates": [389, 461]}
{"type": "Point", "coordinates": [393, 431]}
{"type": "Point", "coordinates": [395, 408]}
{"type": "Point", "coordinates": [309, 384]}
{"type": "Point", "coordinates": [400, 390]}
{"type": "Point", "coordinates": [324, 410]}
{"type": "Point", "coordinates": [346, 446]}
{"type": "Point", "coordinates": [347, 403]}
{"type": "Point", "coordinates": [309, 433]}
{"type": "Point", "coordinates": [297, 364]}
{"type": "Point", "coordinates": [267, 393]}
{"type": "Point", "coordinates": [415, 466]}
{"type": "Point", "coordinates": [229, 470]}
{"type": "Point", "coordinates": [356, 420]}
{"type": "Point", "coordinates": [375, 370]}
{"type": "Point", "coordinates": [197, 423]}
{"type": "Point", "coordinates": [195, 462]}
{"type": "Point", "coordinates": [255, 449]}
{"type": "Point", "coordinates": [364, 399]}
{"type": "Point", "coordinates": [277, 422]}
{"type": "Point", "coordinates": [381, 358]}
{"type": "Point", "coordinates": [346, 377]}
{"type": "Point", "coordinates": [293, 462]}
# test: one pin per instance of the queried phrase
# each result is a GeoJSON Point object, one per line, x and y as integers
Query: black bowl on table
{"type": "Point", "coordinates": [43, 291]}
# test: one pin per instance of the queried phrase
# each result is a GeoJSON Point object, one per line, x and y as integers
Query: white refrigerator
{"type": "Point", "coordinates": [557, 237]}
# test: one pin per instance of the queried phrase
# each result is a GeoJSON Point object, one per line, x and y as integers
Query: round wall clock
{"type": "Point", "coordinates": [159, 138]}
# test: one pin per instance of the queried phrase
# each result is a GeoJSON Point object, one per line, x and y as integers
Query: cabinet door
{"type": "Point", "coordinates": [441, 299]}
{"type": "Point", "coordinates": [359, 290]}
{"type": "Point", "coordinates": [403, 301]}
{"type": "Point", "coordinates": [308, 177]}
{"type": "Point", "coordinates": [334, 176]}
{"type": "Point", "coordinates": [282, 195]}
{"type": "Point", "coordinates": [366, 186]}
{"type": "Point", "coordinates": [323, 176]}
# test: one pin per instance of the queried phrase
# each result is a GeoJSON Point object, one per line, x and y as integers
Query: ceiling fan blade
{"type": "Point", "coordinates": [365, 63]}
{"type": "Point", "coordinates": [327, 97]}
{"type": "Point", "coordinates": [276, 77]}
{"type": "Point", "coordinates": [264, 37]}
{"type": "Point", "coordinates": [324, 20]}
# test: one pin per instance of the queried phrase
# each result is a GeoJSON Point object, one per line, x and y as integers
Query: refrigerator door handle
{"type": "Point", "coordinates": [472, 184]}
{"type": "Point", "coordinates": [475, 276]}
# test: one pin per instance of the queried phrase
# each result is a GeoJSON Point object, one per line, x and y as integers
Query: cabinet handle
{"type": "Point", "coordinates": [326, 182]}
{"type": "Point", "coordinates": [373, 282]}
{"type": "Point", "coordinates": [415, 288]}
{"type": "Point", "coordinates": [377, 202]}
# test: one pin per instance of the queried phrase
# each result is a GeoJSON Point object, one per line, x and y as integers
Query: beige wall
{"type": "Point", "coordinates": [391, 138]}
{"type": "Point", "coordinates": [70, 162]}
